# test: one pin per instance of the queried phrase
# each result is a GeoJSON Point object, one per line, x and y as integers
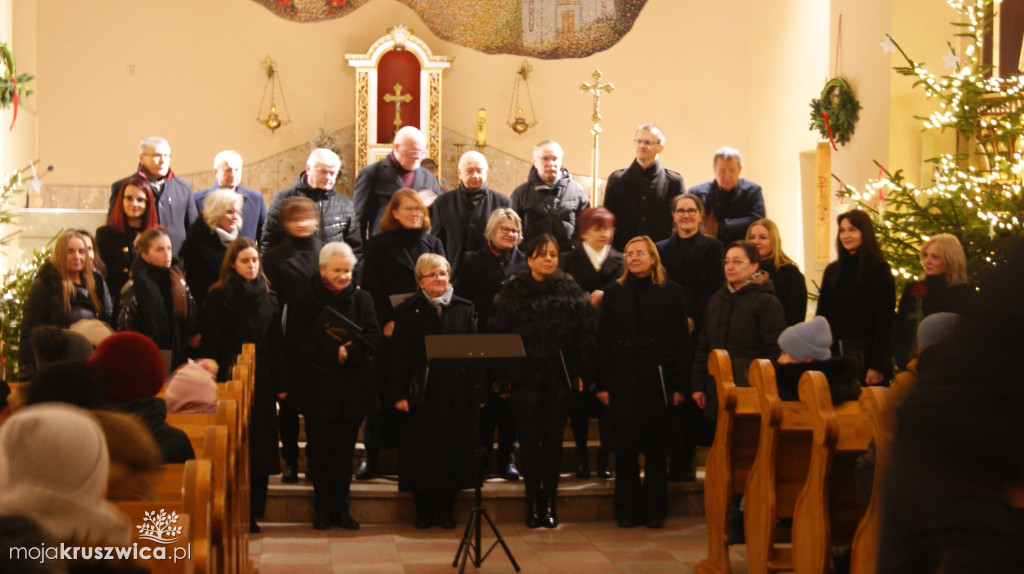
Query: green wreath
{"type": "Point", "coordinates": [11, 85]}
{"type": "Point", "coordinates": [837, 100]}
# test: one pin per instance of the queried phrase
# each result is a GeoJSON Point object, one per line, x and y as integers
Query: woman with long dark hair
{"type": "Point", "coordinates": [66, 289]}
{"type": "Point", "coordinates": [790, 285]}
{"type": "Point", "coordinates": [552, 315]}
{"type": "Point", "coordinates": [133, 212]}
{"type": "Point", "coordinates": [239, 309]}
{"type": "Point", "coordinates": [858, 297]}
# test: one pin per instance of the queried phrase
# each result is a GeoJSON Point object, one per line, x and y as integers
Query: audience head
{"type": "Point", "coordinates": [433, 274]}
{"type": "Point", "coordinates": [70, 258]}
{"type": "Point", "coordinates": [595, 227]}
{"type": "Point", "coordinates": [410, 147]}
{"type": "Point", "coordinates": [336, 263]}
{"type": "Point", "coordinates": [127, 366]}
{"type": "Point", "coordinates": [322, 168]}
{"type": "Point", "coordinates": [51, 344]}
{"type": "Point", "coordinates": [65, 382]}
{"type": "Point", "coordinates": [154, 246]}
{"type": "Point", "coordinates": [728, 164]}
{"type": "Point", "coordinates": [94, 330]}
{"type": "Point", "coordinates": [764, 234]}
{"type": "Point", "coordinates": [134, 207]}
{"type": "Point", "coordinates": [504, 228]}
{"type": "Point", "coordinates": [227, 167]}
{"type": "Point", "coordinates": [223, 209]}
{"type": "Point", "coordinates": [649, 141]}
{"type": "Point", "coordinates": [934, 328]}
{"type": "Point", "coordinates": [542, 256]}
{"type": "Point", "coordinates": [687, 213]}
{"type": "Point", "coordinates": [472, 170]}
{"type": "Point", "coordinates": [90, 248]}
{"type": "Point", "coordinates": [943, 255]}
{"type": "Point", "coordinates": [192, 388]}
{"type": "Point", "coordinates": [155, 157]}
{"type": "Point", "coordinates": [547, 160]}
{"type": "Point", "coordinates": [740, 263]}
{"type": "Point", "coordinates": [299, 216]}
{"type": "Point", "coordinates": [856, 233]}
{"type": "Point", "coordinates": [641, 259]}
{"type": "Point", "coordinates": [807, 341]}
{"type": "Point", "coordinates": [405, 211]}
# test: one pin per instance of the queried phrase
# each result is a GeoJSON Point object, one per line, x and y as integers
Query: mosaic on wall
{"type": "Point", "coordinates": [547, 29]}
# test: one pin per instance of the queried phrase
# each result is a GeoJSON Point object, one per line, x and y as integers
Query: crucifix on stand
{"type": "Point", "coordinates": [398, 97]}
{"type": "Point", "coordinates": [595, 88]}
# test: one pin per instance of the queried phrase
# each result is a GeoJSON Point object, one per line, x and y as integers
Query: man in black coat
{"type": "Point", "coordinates": [377, 182]}
{"type": "Point", "coordinates": [176, 208]}
{"type": "Point", "coordinates": [337, 213]}
{"type": "Point", "coordinates": [227, 167]}
{"type": "Point", "coordinates": [731, 202]}
{"type": "Point", "coordinates": [550, 201]}
{"type": "Point", "coordinates": [459, 219]}
{"type": "Point", "coordinates": [641, 195]}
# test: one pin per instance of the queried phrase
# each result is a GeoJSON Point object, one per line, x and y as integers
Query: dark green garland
{"type": "Point", "coordinates": [838, 101]}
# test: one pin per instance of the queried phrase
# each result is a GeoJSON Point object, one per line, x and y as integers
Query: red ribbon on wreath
{"type": "Point", "coordinates": [828, 126]}
{"type": "Point", "coordinates": [14, 83]}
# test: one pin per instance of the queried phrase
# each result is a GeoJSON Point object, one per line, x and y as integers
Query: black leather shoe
{"type": "Point", "coordinates": [367, 466]}
{"type": "Point", "coordinates": [627, 523]}
{"type": "Point", "coordinates": [446, 521]}
{"type": "Point", "coordinates": [509, 470]}
{"type": "Point", "coordinates": [550, 518]}
{"type": "Point", "coordinates": [321, 521]}
{"type": "Point", "coordinates": [253, 527]}
{"type": "Point", "coordinates": [656, 523]}
{"type": "Point", "coordinates": [533, 517]}
{"type": "Point", "coordinates": [343, 519]}
{"type": "Point", "coordinates": [290, 475]}
{"type": "Point", "coordinates": [602, 464]}
{"type": "Point", "coordinates": [582, 466]}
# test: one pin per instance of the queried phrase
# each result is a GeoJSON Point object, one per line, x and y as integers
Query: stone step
{"type": "Point", "coordinates": [593, 432]}
{"type": "Point", "coordinates": [378, 501]}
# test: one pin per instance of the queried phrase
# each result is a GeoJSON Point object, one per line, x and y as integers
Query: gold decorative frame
{"type": "Point", "coordinates": [368, 148]}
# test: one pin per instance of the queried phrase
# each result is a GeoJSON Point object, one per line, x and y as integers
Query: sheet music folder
{"type": "Point", "coordinates": [488, 350]}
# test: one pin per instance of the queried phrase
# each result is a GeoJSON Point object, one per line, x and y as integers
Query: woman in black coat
{"type": "Point", "coordinates": [436, 456]}
{"type": "Point", "coordinates": [744, 317]}
{"type": "Point", "coordinates": [644, 358]}
{"type": "Point", "coordinates": [551, 313]}
{"type": "Point", "coordinates": [65, 290]}
{"type": "Point", "coordinates": [156, 301]}
{"type": "Point", "coordinates": [133, 212]}
{"type": "Point", "coordinates": [480, 278]}
{"type": "Point", "coordinates": [790, 285]}
{"type": "Point", "coordinates": [333, 383]}
{"type": "Point", "coordinates": [203, 250]}
{"type": "Point", "coordinates": [239, 309]}
{"type": "Point", "coordinates": [593, 263]}
{"type": "Point", "coordinates": [858, 297]}
{"type": "Point", "coordinates": [388, 261]}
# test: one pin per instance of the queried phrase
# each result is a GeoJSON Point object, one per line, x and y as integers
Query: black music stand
{"type": "Point", "coordinates": [475, 351]}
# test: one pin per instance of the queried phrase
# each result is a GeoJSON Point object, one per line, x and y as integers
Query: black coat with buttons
{"type": "Point", "coordinates": [117, 251]}
{"type": "Point", "coordinates": [641, 199]}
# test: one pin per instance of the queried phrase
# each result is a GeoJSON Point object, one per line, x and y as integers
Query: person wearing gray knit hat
{"type": "Point", "coordinates": [808, 341]}
{"type": "Point", "coordinates": [935, 328]}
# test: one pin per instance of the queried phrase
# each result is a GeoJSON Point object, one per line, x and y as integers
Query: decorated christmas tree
{"type": "Point", "coordinates": [975, 194]}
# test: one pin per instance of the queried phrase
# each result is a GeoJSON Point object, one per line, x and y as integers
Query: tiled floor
{"type": "Point", "coordinates": [580, 547]}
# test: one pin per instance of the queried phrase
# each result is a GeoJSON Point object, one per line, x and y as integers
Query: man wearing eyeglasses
{"type": "Point", "coordinates": [550, 201]}
{"type": "Point", "coordinates": [176, 208]}
{"type": "Point", "coordinates": [731, 203]}
{"type": "Point", "coordinates": [377, 182]}
{"type": "Point", "coordinates": [459, 218]}
{"type": "Point", "coordinates": [227, 168]}
{"type": "Point", "coordinates": [641, 195]}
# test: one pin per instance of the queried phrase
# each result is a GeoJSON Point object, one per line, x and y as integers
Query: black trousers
{"type": "Point", "coordinates": [497, 416]}
{"type": "Point", "coordinates": [540, 421]}
{"type": "Point", "coordinates": [333, 442]}
{"type": "Point", "coordinates": [258, 486]}
{"type": "Point", "coordinates": [288, 429]}
{"type": "Point", "coordinates": [434, 504]}
{"type": "Point", "coordinates": [638, 500]}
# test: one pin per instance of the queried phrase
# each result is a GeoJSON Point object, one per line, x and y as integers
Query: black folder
{"type": "Point", "coordinates": [336, 328]}
{"type": "Point", "coordinates": [489, 350]}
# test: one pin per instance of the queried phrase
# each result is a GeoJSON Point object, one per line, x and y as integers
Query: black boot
{"type": "Point", "coordinates": [342, 518]}
{"type": "Point", "coordinates": [290, 474]}
{"type": "Point", "coordinates": [582, 463]}
{"type": "Point", "coordinates": [533, 511]}
{"type": "Point", "coordinates": [602, 463]}
{"type": "Point", "coordinates": [368, 465]}
{"type": "Point", "coordinates": [550, 517]}
{"type": "Point", "coordinates": [508, 469]}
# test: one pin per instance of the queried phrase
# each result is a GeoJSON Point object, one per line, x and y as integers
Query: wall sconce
{"type": "Point", "coordinates": [272, 120]}
{"type": "Point", "coordinates": [521, 121]}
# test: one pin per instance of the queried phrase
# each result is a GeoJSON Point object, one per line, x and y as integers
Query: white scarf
{"type": "Point", "coordinates": [597, 257]}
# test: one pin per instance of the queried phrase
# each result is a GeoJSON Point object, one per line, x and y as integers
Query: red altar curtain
{"type": "Point", "coordinates": [402, 68]}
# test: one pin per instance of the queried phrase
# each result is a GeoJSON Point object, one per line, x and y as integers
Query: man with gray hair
{"type": "Point", "coordinates": [550, 201]}
{"type": "Point", "coordinates": [337, 214]}
{"type": "Point", "coordinates": [176, 208]}
{"type": "Point", "coordinates": [377, 182]}
{"type": "Point", "coordinates": [642, 194]}
{"type": "Point", "coordinates": [458, 219]}
{"type": "Point", "coordinates": [731, 203]}
{"type": "Point", "coordinates": [227, 168]}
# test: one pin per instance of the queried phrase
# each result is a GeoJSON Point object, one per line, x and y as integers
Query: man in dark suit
{"type": "Point", "coordinates": [227, 167]}
{"type": "Point", "coordinates": [401, 168]}
{"type": "Point", "coordinates": [458, 219]}
{"type": "Point", "coordinates": [732, 203]}
{"type": "Point", "coordinates": [641, 195]}
{"type": "Point", "coordinates": [176, 208]}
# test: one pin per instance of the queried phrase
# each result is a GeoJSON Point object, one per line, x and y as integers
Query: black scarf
{"type": "Point", "coordinates": [152, 287]}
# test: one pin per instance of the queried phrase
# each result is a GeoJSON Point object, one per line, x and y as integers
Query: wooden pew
{"type": "Point", "coordinates": [880, 413]}
{"type": "Point", "coordinates": [730, 459]}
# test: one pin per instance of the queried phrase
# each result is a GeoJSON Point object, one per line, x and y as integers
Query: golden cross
{"type": "Point", "coordinates": [398, 97]}
{"type": "Point", "coordinates": [596, 88]}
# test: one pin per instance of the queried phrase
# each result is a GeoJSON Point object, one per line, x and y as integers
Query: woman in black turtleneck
{"type": "Point", "coordinates": [240, 308]}
{"type": "Point", "coordinates": [858, 297]}
{"type": "Point", "coordinates": [389, 259]}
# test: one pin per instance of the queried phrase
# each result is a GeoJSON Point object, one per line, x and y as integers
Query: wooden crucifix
{"type": "Point", "coordinates": [398, 97]}
{"type": "Point", "coordinates": [595, 88]}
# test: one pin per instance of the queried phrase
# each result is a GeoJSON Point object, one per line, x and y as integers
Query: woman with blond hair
{"type": "Point", "coordinates": [66, 289]}
{"type": "Point", "coordinates": [941, 288]}
{"type": "Point", "coordinates": [208, 240]}
{"type": "Point", "coordinates": [644, 357]}
{"type": "Point", "coordinates": [789, 282]}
